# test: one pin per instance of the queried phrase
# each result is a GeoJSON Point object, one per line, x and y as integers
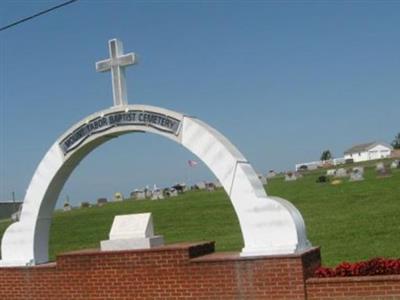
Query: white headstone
{"type": "Point", "coordinates": [133, 231]}
{"type": "Point", "coordinates": [173, 193]}
{"type": "Point", "coordinates": [157, 194]}
{"type": "Point", "coordinates": [138, 195]}
{"type": "Point", "coordinates": [262, 178]}
{"type": "Point", "coordinates": [147, 192]}
{"type": "Point", "coordinates": [271, 174]}
{"type": "Point", "coordinates": [289, 176]}
{"type": "Point", "coordinates": [210, 187]}
{"type": "Point", "coordinates": [342, 172]}
{"type": "Point", "coordinates": [118, 197]}
{"type": "Point", "coordinates": [359, 169]}
{"type": "Point", "coordinates": [356, 175]}
{"type": "Point", "coordinates": [380, 166]}
{"type": "Point", "coordinates": [201, 185]}
{"type": "Point", "coordinates": [67, 207]}
{"type": "Point", "coordinates": [395, 164]}
{"type": "Point", "coordinates": [381, 170]}
{"type": "Point", "coordinates": [331, 172]}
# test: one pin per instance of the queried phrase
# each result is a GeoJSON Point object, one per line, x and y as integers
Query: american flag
{"type": "Point", "coordinates": [192, 163]}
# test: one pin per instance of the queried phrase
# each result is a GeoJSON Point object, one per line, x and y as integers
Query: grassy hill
{"type": "Point", "coordinates": [350, 221]}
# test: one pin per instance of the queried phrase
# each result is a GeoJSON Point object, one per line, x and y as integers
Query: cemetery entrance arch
{"type": "Point", "coordinates": [269, 225]}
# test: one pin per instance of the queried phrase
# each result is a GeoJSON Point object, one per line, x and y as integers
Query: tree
{"type": "Point", "coordinates": [396, 142]}
{"type": "Point", "coordinates": [326, 155]}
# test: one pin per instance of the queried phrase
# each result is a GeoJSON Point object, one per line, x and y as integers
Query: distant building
{"type": "Point", "coordinates": [395, 153]}
{"type": "Point", "coordinates": [8, 208]}
{"type": "Point", "coordinates": [368, 151]}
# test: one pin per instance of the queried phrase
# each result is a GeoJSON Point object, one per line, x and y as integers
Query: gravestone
{"type": "Point", "coordinates": [395, 164]}
{"type": "Point", "coordinates": [67, 207]}
{"type": "Point", "coordinates": [201, 185]}
{"type": "Point", "coordinates": [382, 171]}
{"type": "Point", "coordinates": [170, 192]}
{"type": "Point", "coordinates": [341, 172]}
{"type": "Point", "coordinates": [331, 172]}
{"type": "Point", "coordinates": [101, 202]}
{"type": "Point", "coordinates": [356, 175]}
{"type": "Point", "coordinates": [138, 194]}
{"type": "Point", "coordinates": [210, 187]}
{"type": "Point", "coordinates": [85, 204]}
{"type": "Point", "coordinates": [359, 169]}
{"type": "Point", "coordinates": [271, 174]}
{"type": "Point", "coordinates": [218, 184]}
{"type": "Point", "coordinates": [262, 178]}
{"type": "Point", "coordinates": [380, 166]}
{"type": "Point", "coordinates": [17, 215]}
{"type": "Point", "coordinates": [118, 197]}
{"type": "Point", "coordinates": [290, 176]}
{"type": "Point", "coordinates": [157, 194]}
{"type": "Point", "coordinates": [147, 192]}
{"type": "Point", "coordinates": [134, 231]}
{"type": "Point", "coordinates": [173, 192]}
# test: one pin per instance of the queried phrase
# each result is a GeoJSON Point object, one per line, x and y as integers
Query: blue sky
{"type": "Point", "coordinates": [282, 80]}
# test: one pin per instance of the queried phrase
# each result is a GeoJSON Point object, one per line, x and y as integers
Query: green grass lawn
{"type": "Point", "coordinates": [351, 221]}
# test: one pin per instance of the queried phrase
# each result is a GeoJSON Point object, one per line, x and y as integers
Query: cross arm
{"type": "Point", "coordinates": [128, 59]}
{"type": "Point", "coordinates": [103, 65]}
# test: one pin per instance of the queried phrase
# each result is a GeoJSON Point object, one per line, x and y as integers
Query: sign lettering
{"type": "Point", "coordinates": [122, 118]}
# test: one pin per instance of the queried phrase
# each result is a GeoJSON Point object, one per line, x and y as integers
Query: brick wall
{"type": "Point", "coordinates": [354, 288]}
{"type": "Point", "coordinates": [183, 271]}
{"type": "Point", "coordinates": [172, 272]}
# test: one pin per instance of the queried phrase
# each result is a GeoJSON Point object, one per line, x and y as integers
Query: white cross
{"type": "Point", "coordinates": [117, 63]}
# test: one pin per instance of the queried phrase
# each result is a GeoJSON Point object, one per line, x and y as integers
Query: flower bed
{"type": "Point", "coordinates": [376, 266]}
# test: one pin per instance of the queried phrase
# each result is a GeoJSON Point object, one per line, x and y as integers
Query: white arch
{"type": "Point", "coordinates": [269, 225]}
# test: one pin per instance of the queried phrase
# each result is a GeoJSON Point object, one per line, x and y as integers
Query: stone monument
{"type": "Point", "coordinates": [101, 202]}
{"type": "Point", "coordinates": [380, 166]}
{"type": "Point", "coordinates": [67, 206]}
{"type": "Point", "coordinates": [356, 175]}
{"type": "Point", "coordinates": [138, 194]}
{"type": "Point", "coordinates": [341, 172]}
{"type": "Point", "coordinates": [133, 231]}
{"type": "Point", "coordinates": [157, 193]}
{"type": "Point", "coordinates": [173, 192]}
{"type": "Point", "coordinates": [269, 225]}
{"type": "Point", "coordinates": [395, 164]}
{"type": "Point", "coordinates": [382, 171]}
{"type": "Point", "coordinates": [331, 172]}
{"type": "Point", "coordinates": [262, 178]}
{"type": "Point", "coordinates": [118, 197]}
{"type": "Point", "coordinates": [200, 185]}
{"type": "Point", "coordinates": [271, 174]}
{"type": "Point", "coordinates": [291, 176]}
{"type": "Point", "coordinates": [359, 169]}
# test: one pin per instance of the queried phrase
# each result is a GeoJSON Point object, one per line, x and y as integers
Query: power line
{"type": "Point", "coordinates": [37, 15]}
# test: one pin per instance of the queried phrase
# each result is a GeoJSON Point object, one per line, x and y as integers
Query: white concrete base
{"type": "Point", "coordinates": [12, 263]}
{"type": "Point", "coordinates": [130, 244]}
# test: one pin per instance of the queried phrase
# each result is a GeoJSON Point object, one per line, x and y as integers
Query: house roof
{"type": "Point", "coordinates": [364, 147]}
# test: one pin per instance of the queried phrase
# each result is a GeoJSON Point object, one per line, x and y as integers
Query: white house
{"type": "Point", "coordinates": [368, 151]}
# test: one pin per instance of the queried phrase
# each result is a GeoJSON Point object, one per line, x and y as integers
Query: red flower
{"type": "Point", "coordinates": [375, 266]}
